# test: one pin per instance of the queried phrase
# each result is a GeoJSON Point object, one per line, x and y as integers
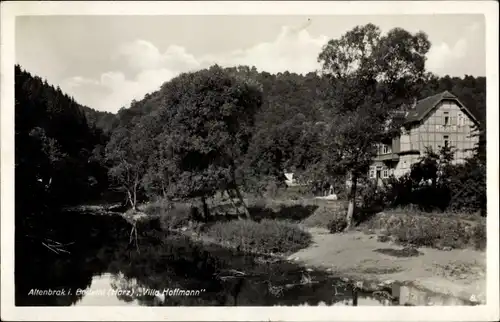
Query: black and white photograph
{"type": "Point", "coordinates": [249, 160]}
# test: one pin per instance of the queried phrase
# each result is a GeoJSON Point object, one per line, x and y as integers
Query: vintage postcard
{"type": "Point", "coordinates": [249, 161]}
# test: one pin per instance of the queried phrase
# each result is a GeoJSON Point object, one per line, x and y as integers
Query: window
{"type": "Point", "coordinates": [446, 118]}
{"type": "Point", "coordinates": [386, 149]}
{"type": "Point", "coordinates": [446, 140]}
{"type": "Point", "coordinates": [372, 173]}
{"type": "Point", "coordinates": [385, 173]}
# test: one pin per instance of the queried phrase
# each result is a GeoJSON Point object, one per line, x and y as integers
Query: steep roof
{"type": "Point", "coordinates": [423, 107]}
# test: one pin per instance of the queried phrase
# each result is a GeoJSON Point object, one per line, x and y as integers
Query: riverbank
{"type": "Point", "coordinates": [434, 277]}
{"type": "Point", "coordinates": [422, 276]}
{"type": "Point", "coordinates": [460, 274]}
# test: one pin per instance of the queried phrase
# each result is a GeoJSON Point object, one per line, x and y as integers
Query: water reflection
{"type": "Point", "coordinates": [169, 270]}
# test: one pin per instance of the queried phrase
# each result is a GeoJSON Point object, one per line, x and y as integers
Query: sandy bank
{"type": "Point", "coordinates": [456, 273]}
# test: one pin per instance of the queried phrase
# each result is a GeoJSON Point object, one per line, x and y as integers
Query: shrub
{"type": "Point", "coordinates": [432, 230]}
{"type": "Point", "coordinates": [372, 199]}
{"type": "Point", "coordinates": [436, 183]}
{"type": "Point", "coordinates": [478, 238]}
{"type": "Point", "coordinates": [267, 236]}
{"type": "Point", "coordinates": [337, 222]}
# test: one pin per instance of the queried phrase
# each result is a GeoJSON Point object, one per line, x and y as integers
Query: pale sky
{"type": "Point", "coordinates": [106, 61]}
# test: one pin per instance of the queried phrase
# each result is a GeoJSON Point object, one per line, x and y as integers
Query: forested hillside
{"type": "Point", "coordinates": [67, 135]}
{"type": "Point", "coordinates": [56, 149]}
{"type": "Point", "coordinates": [60, 143]}
{"type": "Point", "coordinates": [292, 103]}
{"type": "Point", "coordinates": [293, 92]}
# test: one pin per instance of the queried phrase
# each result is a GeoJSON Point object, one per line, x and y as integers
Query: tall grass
{"type": "Point", "coordinates": [266, 236]}
{"type": "Point", "coordinates": [433, 230]}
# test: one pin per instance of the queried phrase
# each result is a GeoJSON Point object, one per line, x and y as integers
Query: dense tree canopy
{"type": "Point", "coordinates": [229, 127]}
{"type": "Point", "coordinates": [192, 143]}
{"type": "Point", "coordinates": [372, 76]}
{"type": "Point", "coordinates": [292, 112]}
{"type": "Point", "coordinates": [54, 145]}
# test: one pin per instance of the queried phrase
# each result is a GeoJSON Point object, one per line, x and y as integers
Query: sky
{"type": "Point", "coordinates": [105, 62]}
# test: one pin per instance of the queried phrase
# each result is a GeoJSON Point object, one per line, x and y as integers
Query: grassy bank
{"type": "Point", "coordinates": [267, 236]}
{"type": "Point", "coordinates": [276, 224]}
{"type": "Point", "coordinates": [268, 232]}
{"type": "Point", "coordinates": [436, 230]}
{"type": "Point", "coordinates": [409, 226]}
{"type": "Point", "coordinates": [281, 227]}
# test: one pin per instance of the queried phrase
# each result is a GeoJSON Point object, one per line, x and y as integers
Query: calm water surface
{"type": "Point", "coordinates": [168, 270]}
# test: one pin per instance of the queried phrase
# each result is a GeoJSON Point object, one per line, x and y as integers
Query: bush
{"type": "Point", "coordinates": [267, 236]}
{"type": "Point", "coordinates": [337, 222]}
{"type": "Point", "coordinates": [372, 200]}
{"type": "Point", "coordinates": [434, 184]}
{"type": "Point", "coordinates": [432, 230]}
{"type": "Point", "coordinates": [478, 238]}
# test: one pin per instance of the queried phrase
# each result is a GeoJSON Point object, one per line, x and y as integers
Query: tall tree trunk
{"type": "Point", "coordinates": [355, 296]}
{"type": "Point", "coordinates": [240, 197]}
{"type": "Point", "coordinates": [163, 190]}
{"type": "Point", "coordinates": [232, 202]}
{"type": "Point", "coordinates": [206, 212]}
{"type": "Point", "coordinates": [352, 203]}
{"type": "Point", "coordinates": [136, 183]}
{"type": "Point", "coordinates": [131, 199]}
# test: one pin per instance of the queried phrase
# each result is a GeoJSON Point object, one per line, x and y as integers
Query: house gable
{"type": "Point", "coordinates": [427, 106]}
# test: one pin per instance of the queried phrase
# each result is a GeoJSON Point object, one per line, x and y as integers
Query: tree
{"type": "Point", "coordinates": [128, 151]}
{"type": "Point", "coordinates": [207, 119]}
{"type": "Point", "coordinates": [372, 76]}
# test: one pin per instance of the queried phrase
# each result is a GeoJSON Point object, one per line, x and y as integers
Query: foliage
{"type": "Point", "coordinates": [266, 236]}
{"type": "Point", "coordinates": [128, 152]}
{"type": "Point", "coordinates": [219, 129]}
{"type": "Point", "coordinates": [478, 237]}
{"type": "Point", "coordinates": [288, 126]}
{"type": "Point", "coordinates": [172, 215]}
{"type": "Point", "coordinates": [435, 230]}
{"type": "Point", "coordinates": [212, 114]}
{"type": "Point", "coordinates": [371, 76]}
{"type": "Point", "coordinates": [435, 182]}
{"type": "Point", "coordinates": [192, 144]}
{"type": "Point", "coordinates": [337, 222]}
{"type": "Point", "coordinates": [54, 149]}
{"type": "Point", "coordinates": [372, 199]}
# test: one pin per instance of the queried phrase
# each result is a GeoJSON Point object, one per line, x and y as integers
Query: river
{"type": "Point", "coordinates": [102, 269]}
